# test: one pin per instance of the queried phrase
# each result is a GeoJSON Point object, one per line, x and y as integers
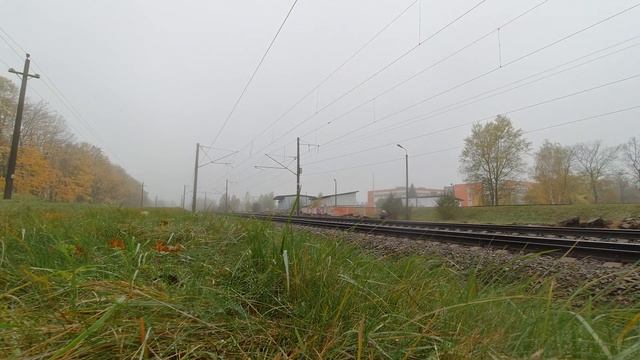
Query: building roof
{"type": "Point", "coordinates": [282, 197]}
{"type": "Point", "coordinates": [402, 188]}
{"type": "Point", "coordinates": [332, 195]}
{"type": "Point", "coordinates": [431, 197]}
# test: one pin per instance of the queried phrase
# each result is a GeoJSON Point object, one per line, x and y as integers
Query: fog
{"type": "Point", "coordinates": [150, 79]}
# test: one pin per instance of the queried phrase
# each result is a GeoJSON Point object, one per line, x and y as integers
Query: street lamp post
{"type": "Point", "coordinates": [406, 159]}
{"type": "Point", "coordinates": [335, 192]}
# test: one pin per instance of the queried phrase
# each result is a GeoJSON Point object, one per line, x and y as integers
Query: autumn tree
{"type": "Point", "coordinates": [34, 173]}
{"type": "Point", "coordinates": [631, 158]}
{"type": "Point", "coordinates": [552, 173]}
{"type": "Point", "coordinates": [51, 165]}
{"type": "Point", "coordinates": [42, 128]}
{"type": "Point", "coordinates": [8, 93]}
{"type": "Point", "coordinates": [493, 154]}
{"type": "Point", "coordinates": [595, 162]}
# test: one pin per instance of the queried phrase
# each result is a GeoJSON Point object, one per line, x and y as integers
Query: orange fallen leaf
{"type": "Point", "coordinates": [116, 244]}
{"type": "Point", "coordinates": [78, 251]}
{"type": "Point", "coordinates": [162, 247]}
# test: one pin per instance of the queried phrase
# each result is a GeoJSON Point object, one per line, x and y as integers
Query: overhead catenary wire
{"type": "Point", "coordinates": [370, 77]}
{"type": "Point", "coordinates": [427, 68]}
{"type": "Point", "coordinates": [445, 58]}
{"type": "Point", "coordinates": [481, 96]}
{"type": "Point", "coordinates": [573, 34]}
{"type": "Point", "coordinates": [518, 109]}
{"type": "Point", "coordinates": [548, 45]}
{"type": "Point", "coordinates": [432, 152]}
{"type": "Point", "coordinates": [482, 75]}
{"type": "Point", "coordinates": [331, 74]}
{"type": "Point", "coordinates": [436, 63]}
{"type": "Point", "coordinates": [478, 98]}
{"type": "Point", "coordinates": [253, 74]}
{"type": "Point", "coordinates": [564, 123]}
{"type": "Point", "coordinates": [375, 74]}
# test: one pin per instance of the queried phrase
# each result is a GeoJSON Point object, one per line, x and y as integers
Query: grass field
{"type": "Point", "coordinates": [532, 214]}
{"type": "Point", "coordinates": [103, 283]}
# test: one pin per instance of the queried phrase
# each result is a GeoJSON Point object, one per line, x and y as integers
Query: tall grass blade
{"type": "Point", "coordinates": [360, 339]}
{"type": "Point", "coordinates": [285, 258]}
{"type": "Point", "coordinates": [594, 335]}
{"type": "Point", "coordinates": [88, 331]}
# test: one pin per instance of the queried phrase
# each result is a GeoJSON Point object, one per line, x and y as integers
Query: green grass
{"type": "Point", "coordinates": [232, 293]}
{"type": "Point", "coordinates": [533, 214]}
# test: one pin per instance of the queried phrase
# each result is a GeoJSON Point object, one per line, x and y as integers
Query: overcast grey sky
{"type": "Point", "coordinates": [152, 78]}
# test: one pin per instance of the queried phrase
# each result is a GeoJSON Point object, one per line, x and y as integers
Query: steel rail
{"type": "Point", "coordinates": [509, 236]}
{"type": "Point", "coordinates": [582, 232]}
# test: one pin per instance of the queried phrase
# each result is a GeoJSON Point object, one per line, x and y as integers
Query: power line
{"type": "Point", "coordinates": [420, 72]}
{"type": "Point", "coordinates": [376, 73]}
{"type": "Point", "coordinates": [6, 37]}
{"type": "Point", "coordinates": [468, 45]}
{"type": "Point", "coordinates": [609, 113]}
{"type": "Point", "coordinates": [573, 34]}
{"type": "Point", "coordinates": [466, 82]}
{"type": "Point", "coordinates": [332, 73]}
{"type": "Point", "coordinates": [479, 97]}
{"type": "Point", "coordinates": [565, 37]}
{"type": "Point", "coordinates": [255, 71]}
{"type": "Point", "coordinates": [488, 118]}
{"type": "Point", "coordinates": [55, 90]}
{"type": "Point", "coordinates": [544, 102]}
{"type": "Point", "coordinates": [561, 40]}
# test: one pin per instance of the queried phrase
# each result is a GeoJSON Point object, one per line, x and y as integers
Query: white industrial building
{"type": "Point", "coordinates": [400, 192]}
{"type": "Point", "coordinates": [285, 202]}
{"type": "Point", "coordinates": [424, 201]}
{"type": "Point", "coordinates": [342, 199]}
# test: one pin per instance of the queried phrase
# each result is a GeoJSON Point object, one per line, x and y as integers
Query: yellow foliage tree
{"type": "Point", "coordinates": [33, 174]}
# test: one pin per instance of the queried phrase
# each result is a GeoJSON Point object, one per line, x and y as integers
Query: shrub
{"type": "Point", "coordinates": [391, 205]}
{"type": "Point", "coordinates": [448, 207]}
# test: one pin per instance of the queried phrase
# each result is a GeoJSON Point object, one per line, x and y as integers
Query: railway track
{"type": "Point", "coordinates": [604, 244]}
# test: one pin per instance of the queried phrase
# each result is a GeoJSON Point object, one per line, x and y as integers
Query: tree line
{"type": "Point", "coordinates": [52, 165]}
{"type": "Point", "coordinates": [589, 172]}
{"type": "Point", "coordinates": [232, 203]}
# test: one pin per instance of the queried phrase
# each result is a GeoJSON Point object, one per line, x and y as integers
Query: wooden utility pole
{"type": "Point", "coordinates": [335, 192]}
{"type": "Point", "coordinates": [15, 140]}
{"type": "Point", "coordinates": [195, 179]}
{"type": "Point", "coordinates": [184, 195]}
